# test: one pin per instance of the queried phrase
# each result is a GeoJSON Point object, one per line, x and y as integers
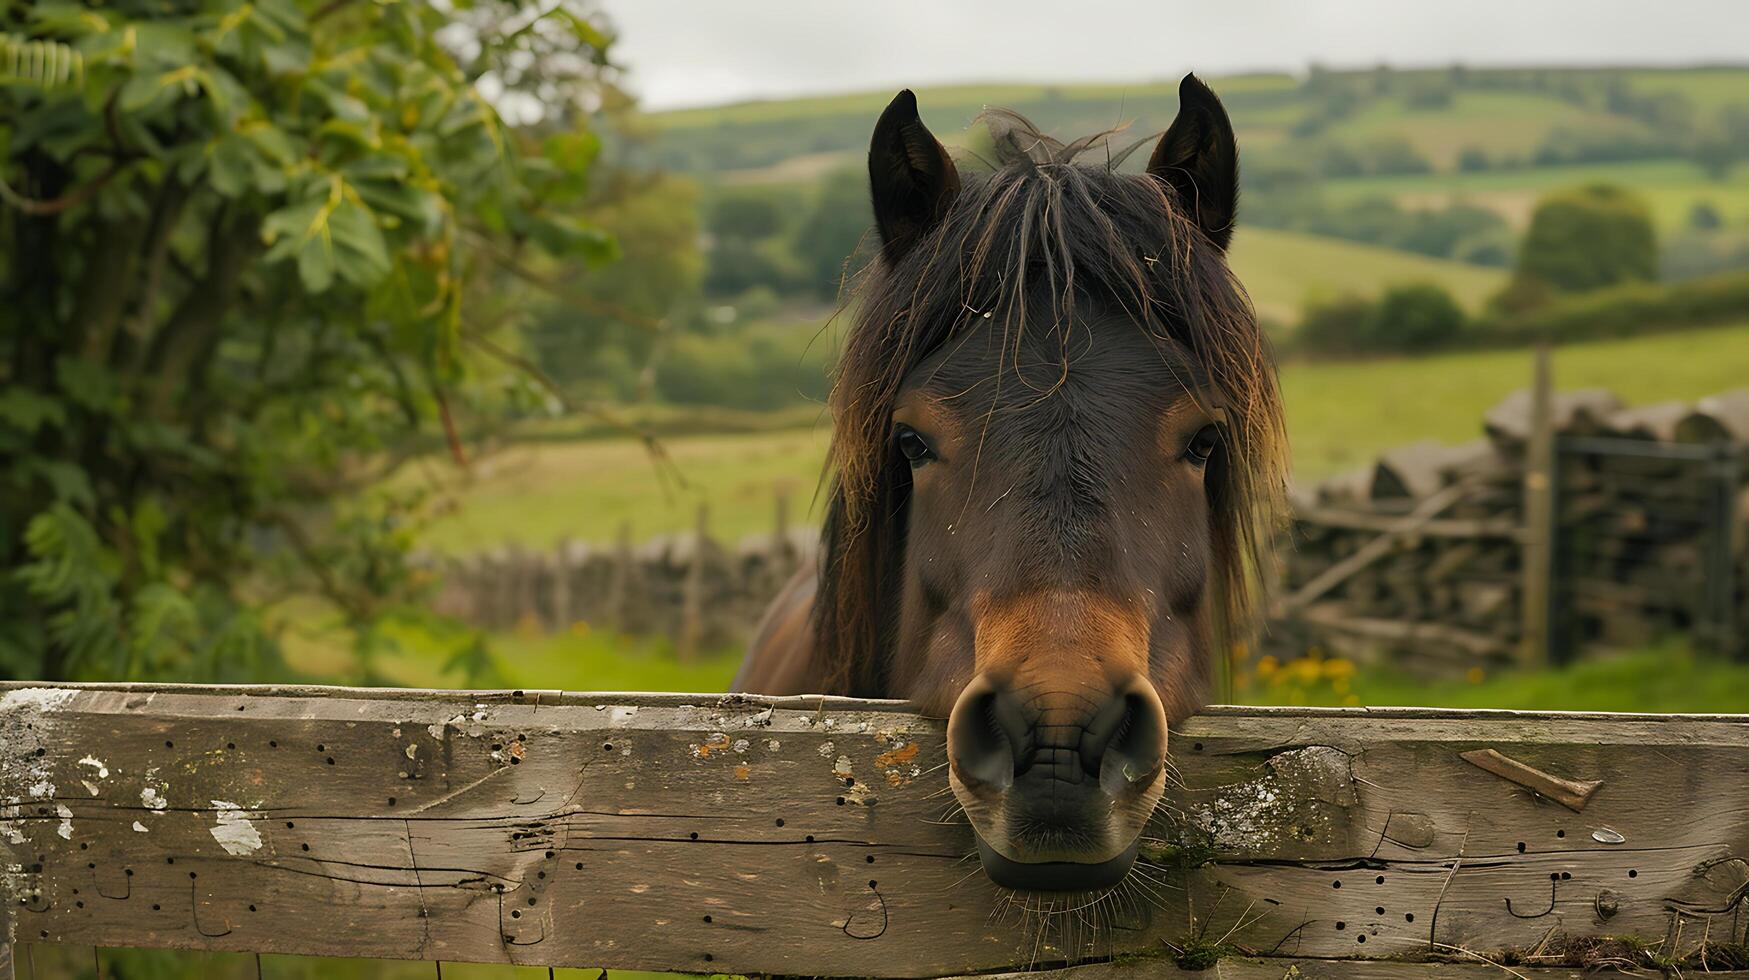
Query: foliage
{"type": "Point", "coordinates": [834, 238]}
{"type": "Point", "coordinates": [1619, 311]}
{"type": "Point", "coordinates": [1588, 238]}
{"type": "Point", "coordinates": [245, 251]}
{"type": "Point", "coordinates": [1408, 317]}
{"type": "Point", "coordinates": [761, 367]}
{"type": "Point", "coordinates": [1416, 316]}
{"type": "Point", "coordinates": [599, 340]}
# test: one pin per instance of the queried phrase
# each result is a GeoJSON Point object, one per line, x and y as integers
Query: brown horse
{"type": "Point", "coordinates": [1057, 451]}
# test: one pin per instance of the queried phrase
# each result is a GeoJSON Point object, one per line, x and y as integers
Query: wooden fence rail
{"type": "Point", "coordinates": [710, 833]}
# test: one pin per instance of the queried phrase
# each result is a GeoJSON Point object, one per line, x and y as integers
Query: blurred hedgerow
{"type": "Point", "coordinates": [255, 256]}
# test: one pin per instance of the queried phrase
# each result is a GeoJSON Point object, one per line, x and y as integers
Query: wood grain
{"type": "Point", "coordinates": [815, 836]}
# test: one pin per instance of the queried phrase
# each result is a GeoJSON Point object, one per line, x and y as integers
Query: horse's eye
{"type": "Point", "coordinates": [912, 446]}
{"type": "Point", "coordinates": [1202, 445]}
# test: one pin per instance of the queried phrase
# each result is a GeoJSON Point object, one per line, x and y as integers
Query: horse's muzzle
{"type": "Point", "coordinates": [1057, 783]}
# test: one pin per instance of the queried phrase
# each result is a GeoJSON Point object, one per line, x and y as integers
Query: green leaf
{"type": "Point", "coordinates": [338, 235]}
{"type": "Point", "coordinates": [358, 243]}
{"type": "Point", "coordinates": [28, 411]}
{"type": "Point", "coordinates": [88, 383]}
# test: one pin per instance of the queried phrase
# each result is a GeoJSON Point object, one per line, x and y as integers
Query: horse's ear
{"type": "Point", "coordinates": [910, 177]}
{"type": "Point", "coordinates": [1199, 158]}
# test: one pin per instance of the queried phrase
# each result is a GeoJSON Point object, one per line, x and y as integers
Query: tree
{"type": "Point", "coordinates": [1585, 239]}
{"type": "Point", "coordinates": [828, 243]}
{"type": "Point", "coordinates": [253, 254]}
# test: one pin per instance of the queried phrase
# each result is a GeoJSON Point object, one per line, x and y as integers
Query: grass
{"type": "Point", "coordinates": [1281, 269]}
{"type": "Point", "coordinates": [1670, 187]}
{"type": "Point", "coordinates": [1500, 123]}
{"type": "Point", "coordinates": [1340, 415]}
{"type": "Point", "coordinates": [1668, 677]}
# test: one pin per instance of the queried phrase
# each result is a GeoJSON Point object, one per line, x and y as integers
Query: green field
{"type": "Point", "coordinates": [1670, 187]}
{"type": "Point", "coordinates": [1340, 415]}
{"type": "Point", "coordinates": [1511, 124]}
{"type": "Point", "coordinates": [1282, 269]}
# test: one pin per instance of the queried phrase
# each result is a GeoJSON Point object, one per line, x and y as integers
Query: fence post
{"type": "Point", "coordinates": [1721, 560]}
{"type": "Point", "coordinates": [692, 591]}
{"type": "Point", "coordinates": [619, 587]}
{"type": "Point", "coordinates": [1539, 520]}
{"type": "Point", "coordinates": [561, 586]}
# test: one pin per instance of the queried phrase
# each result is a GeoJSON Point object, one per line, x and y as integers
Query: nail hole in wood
{"type": "Point", "coordinates": [1521, 847]}
{"type": "Point", "coordinates": [1379, 911]}
{"type": "Point", "coordinates": [304, 846]}
{"type": "Point", "coordinates": [607, 746]}
{"type": "Point", "coordinates": [1341, 925]}
{"type": "Point", "coordinates": [693, 835]}
{"type": "Point", "coordinates": [1632, 873]}
{"type": "Point", "coordinates": [1379, 880]}
{"type": "Point", "coordinates": [1408, 917]}
{"type": "Point", "coordinates": [1560, 833]}
{"type": "Point", "coordinates": [330, 760]}
{"type": "Point", "coordinates": [169, 744]}
{"type": "Point", "coordinates": [579, 865]}
{"type": "Point", "coordinates": [1360, 938]}
{"type": "Point", "coordinates": [871, 883]}
{"type": "Point", "coordinates": [231, 745]}
{"type": "Point", "coordinates": [1196, 746]}
{"type": "Point", "coordinates": [1336, 884]}
{"type": "Point", "coordinates": [272, 744]}
{"type": "Point", "coordinates": [155, 906]}
{"type": "Point", "coordinates": [871, 859]}
{"type": "Point", "coordinates": [707, 918]}
{"type": "Point", "coordinates": [780, 821]}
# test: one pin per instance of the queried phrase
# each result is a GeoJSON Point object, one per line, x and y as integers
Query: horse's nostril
{"type": "Point", "coordinates": [987, 736]}
{"type": "Point", "coordinates": [1134, 746]}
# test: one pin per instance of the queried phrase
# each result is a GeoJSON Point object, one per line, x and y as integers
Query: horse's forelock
{"type": "Point", "coordinates": [1040, 227]}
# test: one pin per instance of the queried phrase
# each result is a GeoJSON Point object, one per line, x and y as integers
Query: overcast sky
{"type": "Point", "coordinates": [702, 52]}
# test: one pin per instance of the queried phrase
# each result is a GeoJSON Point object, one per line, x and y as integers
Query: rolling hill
{"type": "Point", "coordinates": [1281, 269]}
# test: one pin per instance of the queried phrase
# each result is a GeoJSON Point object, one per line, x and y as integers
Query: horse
{"type": "Point", "coordinates": [1057, 460]}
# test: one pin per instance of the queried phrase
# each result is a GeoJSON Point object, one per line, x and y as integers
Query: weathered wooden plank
{"type": "Point", "coordinates": [1281, 968]}
{"type": "Point", "coordinates": [803, 835]}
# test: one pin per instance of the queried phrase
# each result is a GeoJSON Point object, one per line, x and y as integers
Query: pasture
{"type": "Point", "coordinates": [1670, 187]}
{"type": "Point", "coordinates": [1282, 269]}
{"type": "Point", "coordinates": [1340, 414]}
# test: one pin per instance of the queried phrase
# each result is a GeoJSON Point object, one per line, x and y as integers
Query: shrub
{"type": "Point", "coordinates": [1414, 317]}
{"type": "Point", "coordinates": [1336, 326]}
{"type": "Point", "coordinates": [1629, 309]}
{"type": "Point", "coordinates": [1589, 238]}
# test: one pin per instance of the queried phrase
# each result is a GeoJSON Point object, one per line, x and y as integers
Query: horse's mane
{"type": "Point", "coordinates": [1039, 227]}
